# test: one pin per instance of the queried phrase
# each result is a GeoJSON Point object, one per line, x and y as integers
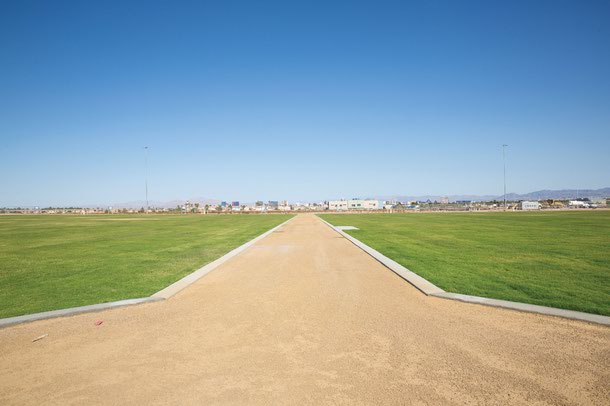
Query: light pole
{"type": "Point", "coordinates": [504, 161]}
{"type": "Point", "coordinates": [146, 175]}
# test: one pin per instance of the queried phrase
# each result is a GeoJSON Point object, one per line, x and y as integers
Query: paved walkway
{"type": "Point", "coordinates": [304, 316]}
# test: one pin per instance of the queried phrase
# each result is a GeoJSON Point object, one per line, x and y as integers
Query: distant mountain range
{"type": "Point", "coordinates": [538, 195]}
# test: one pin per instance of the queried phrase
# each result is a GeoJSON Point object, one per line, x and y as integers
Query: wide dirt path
{"type": "Point", "coordinates": [301, 317]}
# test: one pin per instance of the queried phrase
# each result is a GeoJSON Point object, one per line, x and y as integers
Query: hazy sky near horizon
{"type": "Point", "coordinates": [300, 100]}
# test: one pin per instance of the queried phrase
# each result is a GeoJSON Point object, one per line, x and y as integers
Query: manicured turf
{"type": "Point", "coordinates": [53, 262]}
{"type": "Point", "coordinates": [559, 259]}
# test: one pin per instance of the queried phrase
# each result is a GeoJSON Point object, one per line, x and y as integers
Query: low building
{"type": "Point", "coordinates": [337, 205]}
{"type": "Point", "coordinates": [526, 205]}
{"type": "Point", "coordinates": [578, 203]}
{"type": "Point", "coordinates": [361, 204]}
{"type": "Point", "coordinates": [355, 204]}
{"type": "Point", "coordinates": [372, 205]}
{"type": "Point", "coordinates": [600, 202]}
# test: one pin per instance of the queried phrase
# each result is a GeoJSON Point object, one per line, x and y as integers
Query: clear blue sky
{"type": "Point", "coordinates": [300, 100]}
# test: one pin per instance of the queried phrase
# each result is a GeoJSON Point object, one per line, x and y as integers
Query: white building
{"type": "Point", "coordinates": [337, 205]}
{"type": "Point", "coordinates": [578, 203]}
{"type": "Point", "coordinates": [359, 204]}
{"type": "Point", "coordinates": [525, 205]}
{"type": "Point", "coordinates": [372, 205]}
{"type": "Point", "coordinates": [600, 202]}
{"type": "Point", "coordinates": [355, 204]}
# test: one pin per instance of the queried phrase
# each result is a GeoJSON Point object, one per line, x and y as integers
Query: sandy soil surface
{"type": "Point", "coordinates": [305, 317]}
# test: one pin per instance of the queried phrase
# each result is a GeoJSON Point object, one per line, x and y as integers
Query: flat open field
{"type": "Point", "coordinates": [53, 262]}
{"type": "Point", "coordinates": [559, 259]}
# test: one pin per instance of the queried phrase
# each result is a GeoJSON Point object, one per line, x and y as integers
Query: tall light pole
{"type": "Point", "coordinates": [146, 175]}
{"type": "Point", "coordinates": [504, 162]}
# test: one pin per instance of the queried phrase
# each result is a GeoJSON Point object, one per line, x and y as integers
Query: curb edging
{"type": "Point", "coordinates": [414, 279]}
{"type": "Point", "coordinates": [429, 289]}
{"type": "Point", "coordinates": [163, 294]}
{"type": "Point", "coordinates": [191, 278]}
{"type": "Point", "coordinates": [526, 307]}
{"type": "Point", "coordinates": [70, 311]}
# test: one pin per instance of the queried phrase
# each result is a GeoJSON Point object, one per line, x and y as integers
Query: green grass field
{"type": "Point", "coordinates": [53, 262]}
{"type": "Point", "coordinates": [559, 259]}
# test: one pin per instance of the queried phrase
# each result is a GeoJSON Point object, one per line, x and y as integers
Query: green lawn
{"type": "Point", "coordinates": [53, 262]}
{"type": "Point", "coordinates": [559, 259]}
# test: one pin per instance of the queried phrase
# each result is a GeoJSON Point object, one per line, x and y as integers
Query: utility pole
{"type": "Point", "coordinates": [504, 161]}
{"type": "Point", "coordinates": [146, 175]}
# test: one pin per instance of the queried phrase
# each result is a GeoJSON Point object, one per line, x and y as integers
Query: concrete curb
{"type": "Point", "coordinates": [176, 287]}
{"type": "Point", "coordinates": [526, 307]}
{"type": "Point", "coordinates": [73, 310]}
{"type": "Point", "coordinates": [163, 294]}
{"type": "Point", "coordinates": [420, 283]}
{"type": "Point", "coordinates": [432, 290]}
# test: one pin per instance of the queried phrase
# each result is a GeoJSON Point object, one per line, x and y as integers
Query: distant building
{"type": "Point", "coordinates": [223, 204]}
{"type": "Point", "coordinates": [284, 206]}
{"type": "Point", "coordinates": [273, 204]}
{"type": "Point", "coordinates": [337, 205]}
{"type": "Point", "coordinates": [355, 204]}
{"type": "Point", "coordinates": [444, 200]}
{"type": "Point", "coordinates": [600, 202]}
{"type": "Point", "coordinates": [578, 203]}
{"type": "Point", "coordinates": [360, 204]}
{"type": "Point", "coordinates": [372, 204]}
{"type": "Point", "coordinates": [525, 205]}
